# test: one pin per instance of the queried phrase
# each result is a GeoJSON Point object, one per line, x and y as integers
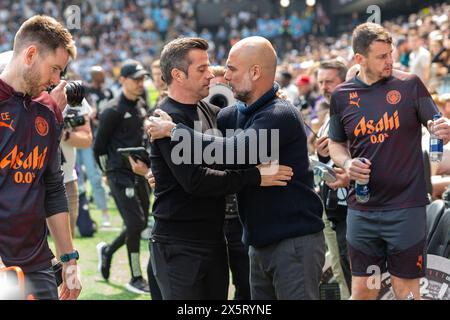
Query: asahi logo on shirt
{"type": "Point", "coordinates": [24, 165]}
{"type": "Point", "coordinates": [377, 128]}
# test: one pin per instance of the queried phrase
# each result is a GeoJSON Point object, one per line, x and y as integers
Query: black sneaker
{"type": "Point", "coordinates": [104, 261]}
{"type": "Point", "coordinates": [138, 285]}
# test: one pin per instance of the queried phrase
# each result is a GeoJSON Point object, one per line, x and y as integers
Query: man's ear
{"type": "Point", "coordinates": [121, 80]}
{"type": "Point", "coordinates": [31, 54]}
{"type": "Point", "coordinates": [177, 74]}
{"type": "Point", "coordinates": [360, 59]}
{"type": "Point", "coordinates": [255, 72]}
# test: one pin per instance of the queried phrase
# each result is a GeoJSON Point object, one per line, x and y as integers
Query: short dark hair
{"type": "Point", "coordinates": [336, 65]}
{"type": "Point", "coordinates": [174, 55]}
{"type": "Point", "coordinates": [46, 33]}
{"type": "Point", "coordinates": [365, 34]}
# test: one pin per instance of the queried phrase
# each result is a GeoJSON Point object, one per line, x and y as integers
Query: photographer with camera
{"type": "Point", "coordinates": [77, 134]}
{"type": "Point", "coordinates": [330, 74]}
{"type": "Point", "coordinates": [121, 126]}
{"type": "Point", "coordinates": [32, 189]}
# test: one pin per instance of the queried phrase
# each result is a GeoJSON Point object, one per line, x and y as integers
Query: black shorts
{"type": "Point", "coordinates": [395, 241]}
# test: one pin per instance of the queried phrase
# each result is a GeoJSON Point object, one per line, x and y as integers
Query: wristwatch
{"type": "Point", "coordinates": [70, 256]}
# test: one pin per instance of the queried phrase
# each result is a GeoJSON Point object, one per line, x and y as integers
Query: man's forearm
{"type": "Point", "coordinates": [59, 226]}
{"type": "Point", "coordinates": [339, 153]}
{"type": "Point", "coordinates": [80, 137]}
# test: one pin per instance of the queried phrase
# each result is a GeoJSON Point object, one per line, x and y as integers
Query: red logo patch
{"type": "Point", "coordinates": [41, 126]}
{"type": "Point", "coordinates": [419, 262]}
{"type": "Point", "coordinates": [393, 97]}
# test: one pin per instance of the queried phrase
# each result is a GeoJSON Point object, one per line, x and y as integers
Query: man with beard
{"type": "Point", "coordinates": [378, 116]}
{"type": "Point", "coordinates": [31, 180]}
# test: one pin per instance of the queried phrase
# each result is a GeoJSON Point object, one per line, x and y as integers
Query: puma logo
{"type": "Point", "coordinates": [9, 126]}
{"type": "Point", "coordinates": [355, 103]}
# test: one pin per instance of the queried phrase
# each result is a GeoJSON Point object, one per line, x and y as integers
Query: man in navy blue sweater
{"type": "Point", "coordinates": [282, 226]}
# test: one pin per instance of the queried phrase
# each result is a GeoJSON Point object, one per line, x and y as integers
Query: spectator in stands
{"type": "Point", "coordinates": [420, 57]}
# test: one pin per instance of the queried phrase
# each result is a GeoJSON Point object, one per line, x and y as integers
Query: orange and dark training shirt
{"type": "Point", "coordinates": [382, 122]}
{"type": "Point", "coordinates": [31, 179]}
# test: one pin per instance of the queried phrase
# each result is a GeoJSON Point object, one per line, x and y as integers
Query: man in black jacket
{"type": "Point", "coordinates": [188, 245]}
{"type": "Point", "coordinates": [121, 126]}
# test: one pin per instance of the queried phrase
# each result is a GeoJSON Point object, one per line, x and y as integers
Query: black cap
{"type": "Point", "coordinates": [133, 69]}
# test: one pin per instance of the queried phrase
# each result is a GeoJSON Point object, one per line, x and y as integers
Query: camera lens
{"type": "Point", "coordinates": [75, 93]}
{"type": "Point", "coordinates": [219, 100]}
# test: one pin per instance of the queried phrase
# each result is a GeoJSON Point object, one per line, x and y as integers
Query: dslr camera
{"type": "Point", "coordinates": [220, 95]}
{"type": "Point", "coordinates": [75, 92]}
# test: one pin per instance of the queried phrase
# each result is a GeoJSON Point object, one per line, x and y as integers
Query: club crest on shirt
{"type": "Point", "coordinates": [393, 97]}
{"type": "Point", "coordinates": [41, 126]}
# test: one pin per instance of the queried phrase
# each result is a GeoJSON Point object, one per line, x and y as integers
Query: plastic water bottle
{"type": "Point", "coordinates": [436, 144]}
{"type": "Point", "coordinates": [362, 191]}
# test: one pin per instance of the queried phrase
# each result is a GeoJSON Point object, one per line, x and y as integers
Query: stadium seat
{"type": "Point", "coordinates": [434, 213]}
{"type": "Point", "coordinates": [440, 240]}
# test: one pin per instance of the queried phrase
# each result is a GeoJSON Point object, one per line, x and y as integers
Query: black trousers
{"type": "Point", "coordinates": [190, 272]}
{"type": "Point", "coordinates": [238, 259]}
{"type": "Point", "coordinates": [341, 231]}
{"type": "Point", "coordinates": [132, 201]}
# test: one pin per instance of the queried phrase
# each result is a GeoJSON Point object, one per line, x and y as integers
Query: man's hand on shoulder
{"type": "Point", "coordinates": [160, 127]}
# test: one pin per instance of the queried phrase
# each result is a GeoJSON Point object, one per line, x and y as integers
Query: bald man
{"type": "Point", "coordinates": [282, 226]}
